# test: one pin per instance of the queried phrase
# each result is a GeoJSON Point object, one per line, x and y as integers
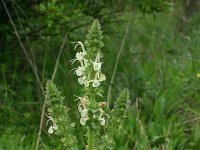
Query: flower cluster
{"type": "Point", "coordinates": [83, 107]}
{"type": "Point", "coordinates": [89, 70]}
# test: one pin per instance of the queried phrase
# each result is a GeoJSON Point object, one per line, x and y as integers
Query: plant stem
{"type": "Point", "coordinates": [90, 138]}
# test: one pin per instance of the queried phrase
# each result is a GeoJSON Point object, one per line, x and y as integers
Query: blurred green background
{"type": "Point", "coordinates": [159, 64]}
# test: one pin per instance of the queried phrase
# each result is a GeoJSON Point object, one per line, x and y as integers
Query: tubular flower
{"type": "Point", "coordinates": [82, 107]}
{"type": "Point", "coordinates": [101, 117]}
{"type": "Point", "coordinates": [53, 127]}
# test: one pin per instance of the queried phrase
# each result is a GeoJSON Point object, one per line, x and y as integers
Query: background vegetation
{"type": "Point", "coordinates": [158, 63]}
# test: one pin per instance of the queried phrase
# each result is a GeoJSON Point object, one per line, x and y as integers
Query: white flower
{"type": "Point", "coordinates": [82, 107]}
{"type": "Point", "coordinates": [84, 116]}
{"type": "Point", "coordinates": [96, 66]}
{"type": "Point", "coordinates": [81, 80]}
{"type": "Point", "coordinates": [53, 127]}
{"type": "Point", "coordinates": [50, 130]}
{"type": "Point", "coordinates": [98, 78]}
{"type": "Point", "coordinates": [95, 83]}
{"type": "Point", "coordinates": [97, 63]}
{"type": "Point", "coordinates": [86, 83]}
{"type": "Point", "coordinates": [84, 113]}
{"type": "Point", "coordinates": [102, 122]}
{"type": "Point", "coordinates": [80, 71]}
{"type": "Point", "coordinates": [102, 77]}
{"type": "Point", "coordinates": [83, 121]}
{"type": "Point", "coordinates": [101, 118]}
{"type": "Point", "coordinates": [79, 56]}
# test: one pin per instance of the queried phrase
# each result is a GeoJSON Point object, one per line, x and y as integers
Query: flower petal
{"type": "Point", "coordinates": [79, 56]}
{"type": "Point", "coordinates": [83, 121]}
{"type": "Point", "coordinates": [95, 83]}
{"type": "Point", "coordinates": [102, 77]}
{"type": "Point", "coordinates": [96, 66]}
{"type": "Point", "coordinates": [103, 122]}
{"type": "Point", "coordinates": [50, 130]}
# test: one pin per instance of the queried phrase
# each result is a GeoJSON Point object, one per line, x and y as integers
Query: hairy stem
{"type": "Point", "coordinates": [90, 138]}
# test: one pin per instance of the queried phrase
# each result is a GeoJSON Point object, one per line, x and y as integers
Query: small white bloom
{"type": "Point", "coordinates": [102, 77]}
{"type": "Point", "coordinates": [53, 127]}
{"type": "Point", "coordinates": [102, 122]}
{"type": "Point", "coordinates": [98, 78]}
{"type": "Point", "coordinates": [83, 121]}
{"type": "Point", "coordinates": [101, 118]}
{"type": "Point", "coordinates": [95, 83]}
{"type": "Point", "coordinates": [81, 80]}
{"type": "Point", "coordinates": [80, 71]}
{"type": "Point", "coordinates": [86, 83]}
{"type": "Point", "coordinates": [96, 63]}
{"type": "Point", "coordinates": [96, 66]}
{"type": "Point", "coordinates": [82, 107]}
{"type": "Point", "coordinates": [79, 56]}
{"type": "Point", "coordinates": [84, 113]}
{"type": "Point", "coordinates": [50, 130]}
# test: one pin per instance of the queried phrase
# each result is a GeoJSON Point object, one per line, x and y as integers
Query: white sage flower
{"type": "Point", "coordinates": [103, 122]}
{"type": "Point", "coordinates": [95, 83]}
{"type": "Point", "coordinates": [79, 56]}
{"type": "Point", "coordinates": [99, 77]}
{"type": "Point", "coordinates": [53, 127]}
{"type": "Point", "coordinates": [96, 66]}
{"type": "Point", "coordinates": [81, 80]}
{"type": "Point", "coordinates": [97, 63]}
{"type": "Point", "coordinates": [102, 77]}
{"type": "Point", "coordinates": [84, 116]}
{"type": "Point", "coordinates": [101, 117]}
{"type": "Point", "coordinates": [80, 71]}
{"type": "Point", "coordinates": [82, 107]}
{"type": "Point", "coordinates": [86, 83]}
{"type": "Point", "coordinates": [83, 121]}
